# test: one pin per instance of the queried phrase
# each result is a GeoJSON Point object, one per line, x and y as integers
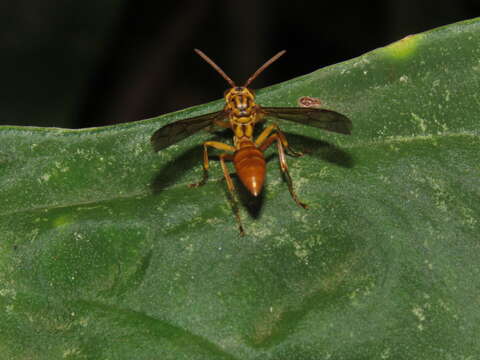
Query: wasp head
{"type": "Point", "coordinates": [240, 101]}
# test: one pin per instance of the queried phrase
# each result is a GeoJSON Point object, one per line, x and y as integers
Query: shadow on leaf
{"type": "Point", "coordinates": [174, 169]}
{"type": "Point", "coordinates": [253, 204]}
{"type": "Point", "coordinates": [322, 149]}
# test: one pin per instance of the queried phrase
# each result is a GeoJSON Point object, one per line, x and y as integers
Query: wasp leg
{"type": "Point", "coordinates": [279, 137]}
{"type": "Point", "coordinates": [266, 133]}
{"type": "Point", "coordinates": [231, 189]}
{"type": "Point", "coordinates": [215, 145]}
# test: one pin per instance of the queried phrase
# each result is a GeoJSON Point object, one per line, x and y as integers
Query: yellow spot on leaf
{"type": "Point", "coordinates": [404, 47]}
{"type": "Point", "coordinates": [62, 221]}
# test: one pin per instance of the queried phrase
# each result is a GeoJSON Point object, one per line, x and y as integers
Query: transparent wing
{"type": "Point", "coordinates": [179, 130]}
{"type": "Point", "coordinates": [320, 118]}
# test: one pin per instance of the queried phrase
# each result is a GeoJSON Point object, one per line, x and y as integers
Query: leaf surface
{"type": "Point", "coordinates": [105, 253]}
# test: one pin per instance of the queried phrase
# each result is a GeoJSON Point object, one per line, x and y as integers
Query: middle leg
{"type": "Point", "coordinates": [206, 165]}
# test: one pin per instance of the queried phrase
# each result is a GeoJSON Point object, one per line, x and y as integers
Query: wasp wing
{"type": "Point", "coordinates": [320, 118]}
{"type": "Point", "coordinates": [179, 130]}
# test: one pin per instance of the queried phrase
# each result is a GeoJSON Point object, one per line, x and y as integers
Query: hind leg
{"type": "Point", "coordinates": [231, 189]}
{"type": "Point", "coordinates": [280, 138]}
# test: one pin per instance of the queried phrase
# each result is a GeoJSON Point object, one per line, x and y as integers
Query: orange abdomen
{"type": "Point", "coordinates": [250, 166]}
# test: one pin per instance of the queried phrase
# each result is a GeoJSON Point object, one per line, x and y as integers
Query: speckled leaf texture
{"type": "Point", "coordinates": [105, 253]}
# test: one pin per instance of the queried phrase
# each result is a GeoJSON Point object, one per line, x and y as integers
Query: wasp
{"type": "Point", "coordinates": [240, 114]}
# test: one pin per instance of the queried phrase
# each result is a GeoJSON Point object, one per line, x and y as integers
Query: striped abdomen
{"type": "Point", "coordinates": [250, 166]}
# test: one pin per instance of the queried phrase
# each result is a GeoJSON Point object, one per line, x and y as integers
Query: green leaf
{"type": "Point", "coordinates": [107, 254]}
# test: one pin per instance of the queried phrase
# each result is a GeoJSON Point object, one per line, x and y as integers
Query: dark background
{"type": "Point", "coordinates": [90, 63]}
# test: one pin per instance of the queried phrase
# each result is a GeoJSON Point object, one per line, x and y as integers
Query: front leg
{"type": "Point", "coordinates": [264, 140]}
{"type": "Point", "coordinates": [215, 145]}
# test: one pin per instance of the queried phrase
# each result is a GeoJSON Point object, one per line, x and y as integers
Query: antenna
{"type": "Point", "coordinates": [216, 67]}
{"type": "Point", "coordinates": [263, 67]}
